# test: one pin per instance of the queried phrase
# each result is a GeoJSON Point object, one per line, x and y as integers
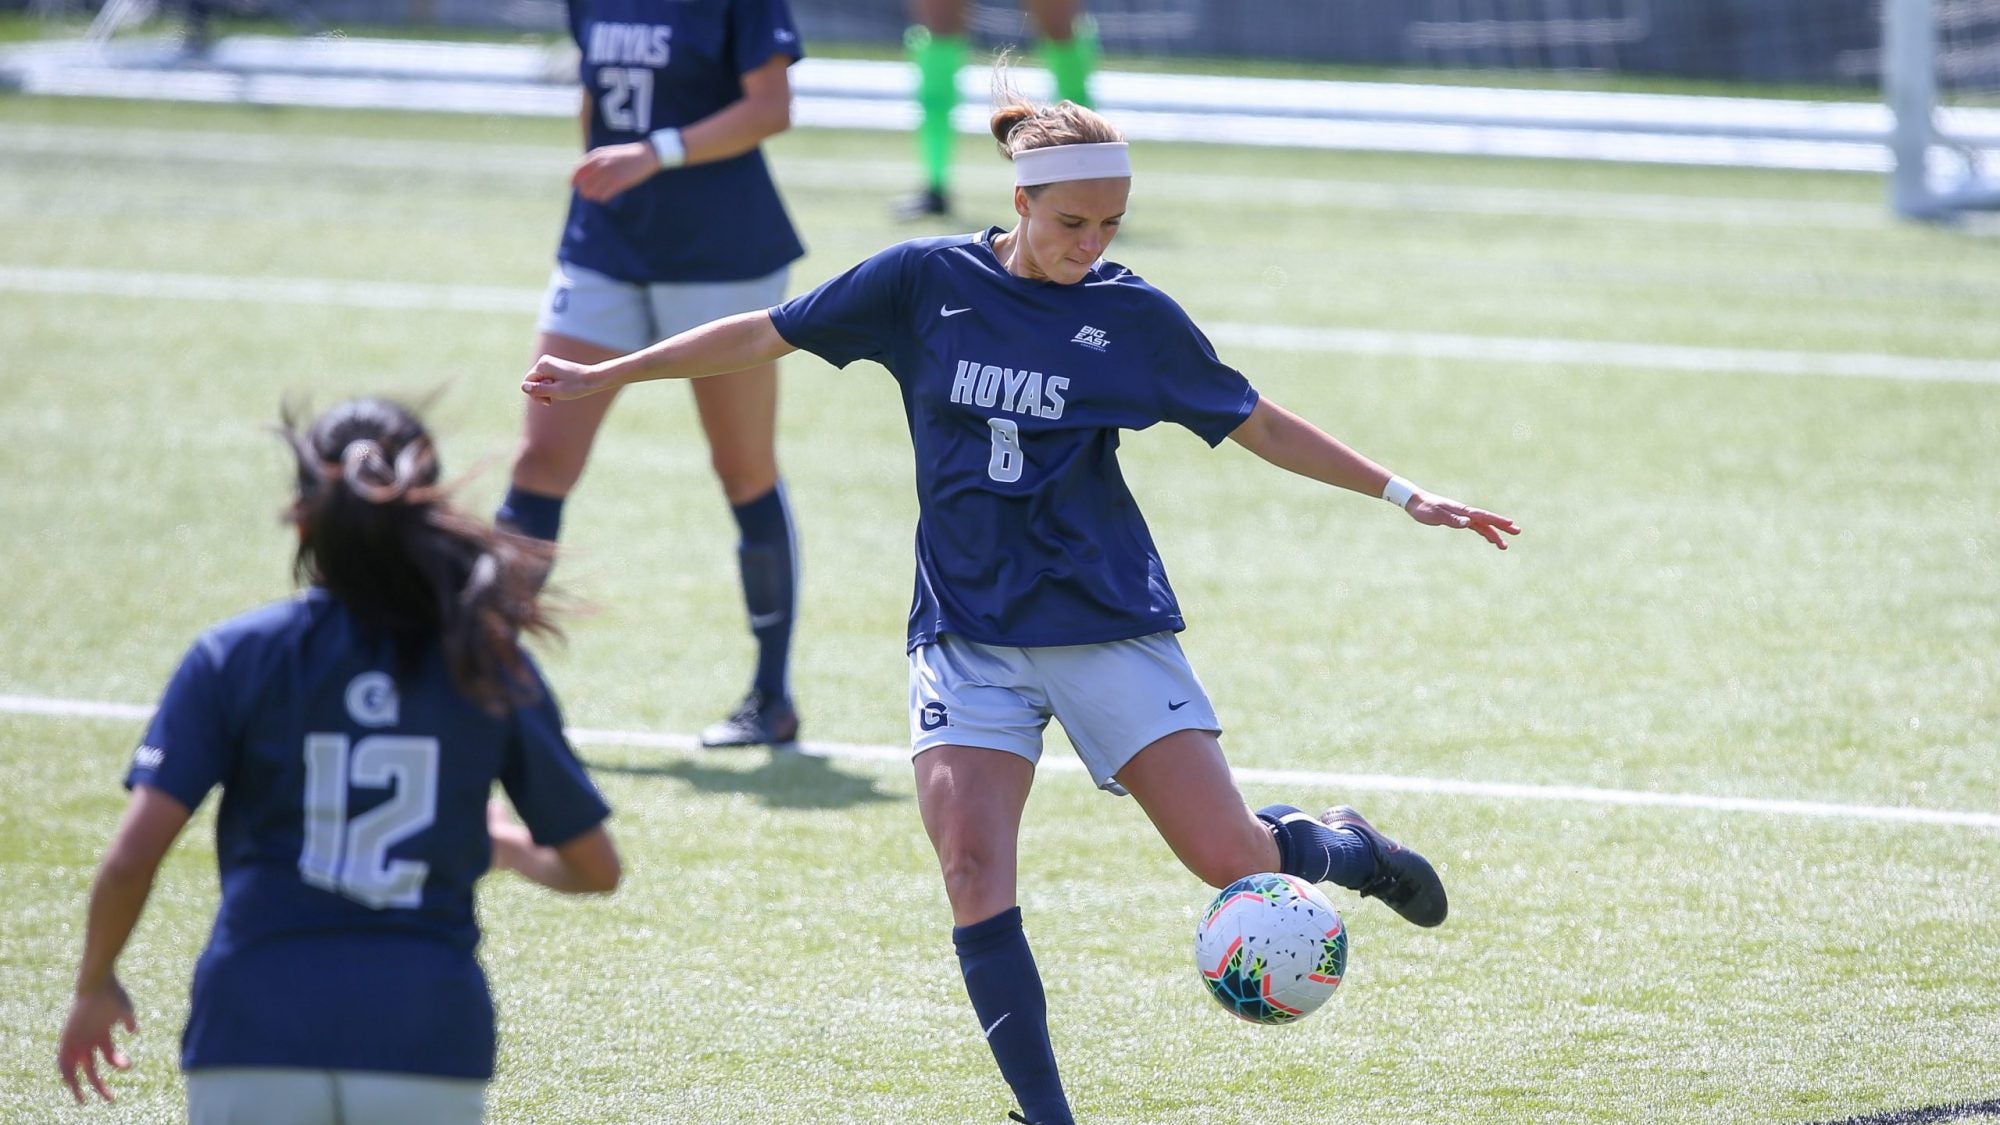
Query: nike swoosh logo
{"type": "Point", "coordinates": [1003, 1015]}
{"type": "Point", "coordinates": [1178, 706]}
{"type": "Point", "coordinates": [763, 620]}
{"type": "Point", "coordinates": [947, 310]}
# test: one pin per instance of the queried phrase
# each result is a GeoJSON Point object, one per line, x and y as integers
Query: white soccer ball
{"type": "Point", "coordinates": [1270, 948]}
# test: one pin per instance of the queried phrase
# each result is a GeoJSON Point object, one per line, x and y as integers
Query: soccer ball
{"type": "Point", "coordinates": [1270, 948]}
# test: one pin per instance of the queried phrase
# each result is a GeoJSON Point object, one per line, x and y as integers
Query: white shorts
{"type": "Point", "coordinates": [623, 316]}
{"type": "Point", "coordinates": [256, 1095]}
{"type": "Point", "coordinates": [1113, 699]}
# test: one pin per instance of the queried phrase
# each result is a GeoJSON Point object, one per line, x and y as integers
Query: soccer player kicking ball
{"type": "Point", "coordinates": [1039, 593]}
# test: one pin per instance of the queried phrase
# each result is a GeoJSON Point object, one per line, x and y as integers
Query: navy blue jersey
{"type": "Point", "coordinates": [351, 831]}
{"type": "Point", "coordinates": [658, 64]}
{"type": "Point", "coordinates": [1015, 391]}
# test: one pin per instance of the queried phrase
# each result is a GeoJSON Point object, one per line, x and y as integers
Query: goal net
{"type": "Point", "coordinates": [1941, 79]}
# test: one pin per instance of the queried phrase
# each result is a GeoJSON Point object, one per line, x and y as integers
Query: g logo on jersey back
{"type": "Point", "coordinates": [933, 716]}
{"type": "Point", "coordinates": [371, 699]}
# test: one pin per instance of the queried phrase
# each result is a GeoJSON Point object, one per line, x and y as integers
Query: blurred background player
{"type": "Point", "coordinates": [937, 43]}
{"type": "Point", "coordinates": [1021, 355]}
{"type": "Point", "coordinates": [356, 732]}
{"type": "Point", "coordinates": [675, 221]}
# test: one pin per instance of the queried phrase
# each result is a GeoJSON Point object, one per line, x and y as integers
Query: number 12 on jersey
{"type": "Point", "coordinates": [351, 857]}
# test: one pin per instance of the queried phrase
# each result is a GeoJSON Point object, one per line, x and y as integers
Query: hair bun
{"type": "Point", "coordinates": [1007, 117]}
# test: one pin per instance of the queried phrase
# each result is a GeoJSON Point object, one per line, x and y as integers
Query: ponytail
{"type": "Point", "coordinates": [378, 533]}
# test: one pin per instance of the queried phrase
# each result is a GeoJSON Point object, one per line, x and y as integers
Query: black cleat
{"type": "Point", "coordinates": [756, 721]}
{"type": "Point", "coordinates": [930, 203]}
{"type": "Point", "coordinates": [1404, 881]}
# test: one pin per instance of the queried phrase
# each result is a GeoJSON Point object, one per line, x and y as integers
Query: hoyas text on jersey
{"type": "Point", "coordinates": [1018, 392]}
{"type": "Point", "coordinates": [629, 44]}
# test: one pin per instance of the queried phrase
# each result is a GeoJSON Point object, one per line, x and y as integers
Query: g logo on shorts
{"type": "Point", "coordinates": [934, 716]}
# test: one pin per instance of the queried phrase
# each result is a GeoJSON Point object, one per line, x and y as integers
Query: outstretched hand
{"type": "Point", "coordinates": [1437, 511]}
{"type": "Point", "coordinates": [87, 1034]}
{"type": "Point", "coordinates": [551, 379]}
{"type": "Point", "coordinates": [604, 172]}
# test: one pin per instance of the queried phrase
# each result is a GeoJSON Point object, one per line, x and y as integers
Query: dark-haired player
{"type": "Point", "coordinates": [356, 733]}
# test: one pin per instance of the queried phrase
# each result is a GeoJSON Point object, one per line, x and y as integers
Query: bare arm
{"type": "Point", "coordinates": [764, 110]}
{"type": "Point", "coordinates": [1292, 443]}
{"type": "Point", "coordinates": [716, 348]}
{"type": "Point", "coordinates": [117, 897]}
{"type": "Point", "coordinates": [587, 864]}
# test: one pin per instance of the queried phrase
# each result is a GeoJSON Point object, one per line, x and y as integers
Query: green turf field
{"type": "Point", "coordinates": [1731, 584]}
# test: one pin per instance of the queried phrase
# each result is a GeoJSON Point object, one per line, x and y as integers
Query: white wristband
{"type": "Point", "coordinates": [1398, 491]}
{"type": "Point", "coordinates": [667, 145]}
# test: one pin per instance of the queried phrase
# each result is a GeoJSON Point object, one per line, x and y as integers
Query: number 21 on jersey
{"type": "Point", "coordinates": [351, 857]}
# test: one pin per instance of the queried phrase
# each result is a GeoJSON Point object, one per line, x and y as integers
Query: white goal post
{"type": "Point", "coordinates": [1935, 175]}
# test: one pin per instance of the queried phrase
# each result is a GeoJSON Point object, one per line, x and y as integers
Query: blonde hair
{"type": "Point", "coordinates": [1019, 124]}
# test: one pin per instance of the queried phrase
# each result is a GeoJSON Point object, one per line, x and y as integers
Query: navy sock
{"type": "Point", "coordinates": [765, 555]}
{"type": "Point", "coordinates": [1006, 991]}
{"type": "Point", "coordinates": [533, 514]}
{"type": "Point", "coordinates": [1316, 853]}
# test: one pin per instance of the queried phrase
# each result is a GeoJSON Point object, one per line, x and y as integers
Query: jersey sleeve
{"type": "Point", "coordinates": [189, 742]}
{"type": "Point", "coordinates": [573, 11]}
{"type": "Point", "coordinates": [1197, 389]}
{"type": "Point", "coordinates": [543, 779]}
{"type": "Point", "coordinates": [761, 29]}
{"type": "Point", "coordinates": [853, 316]}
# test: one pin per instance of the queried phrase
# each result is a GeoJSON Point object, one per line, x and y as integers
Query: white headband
{"type": "Point", "coordinates": [1057, 163]}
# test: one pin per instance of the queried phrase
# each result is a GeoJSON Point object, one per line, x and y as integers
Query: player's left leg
{"type": "Point", "coordinates": [1184, 784]}
{"type": "Point", "coordinates": [739, 415]}
{"type": "Point", "coordinates": [1068, 46]}
{"type": "Point", "coordinates": [247, 1095]}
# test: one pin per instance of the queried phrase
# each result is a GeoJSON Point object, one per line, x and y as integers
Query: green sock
{"type": "Point", "coordinates": [1072, 61]}
{"type": "Point", "coordinates": [938, 58]}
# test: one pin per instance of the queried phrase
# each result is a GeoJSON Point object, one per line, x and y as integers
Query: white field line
{"type": "Point", "coordinates": [545, 163]}
{"type": "Point", "coordinates": [1314, 779]}
{"type": "Point", "coordinates": [421, 297]}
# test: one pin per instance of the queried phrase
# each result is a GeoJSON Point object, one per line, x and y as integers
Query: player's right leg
{"type": "Point", "coordinates": [588, 318]}
{"type": "Point", "coordinates": [976, 722]}
{"type": "Point", "coordinates": [937, 45]}
{"type": "Point", "coordinates": [232, 1095]}
{"type": "Point", "coordinates": [556, 438]}
{"type": "Point", "coordinates": [971, 799]}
